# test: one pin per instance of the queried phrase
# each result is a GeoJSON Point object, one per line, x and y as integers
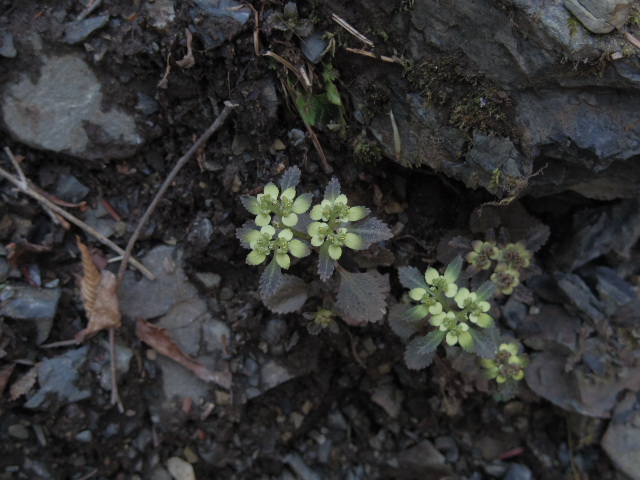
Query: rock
{"type": "Point", "coordinates": [580, 296]}
{"type": "Point", "coordinates": [77, 32]}
{"type": "Point", "coordinates": [145, 299]}
{"type": "Point", "coordinates": [62, 112]}
{"type": "Point", "coordinates": [34, 304]}
{"type": "Point", "coordinates": [209, 280]}
{"type": "Point", "coordinates": [609, 230]}
{"type": "Point", "coordinates": [389, 398]}
{"type": "Point", "coordinates": [180, 469]}
{"type": "Point", "coordinates": [314, 46]}
{"type": "Point", "coordinates": [422, 460]}
{"type": "Point", "coordinates": [218, 22]}
{"type": "Point", "coordinates": [622, 439]}
{"type": "Point", "coordinates": [577, 124]}
{"type": "Point", "coordinates": [7, 49]}
{"type": "Point", "coordinates": [58, 379]}
{"type": "Point", "coordinates": [601, 16]}
{"type": "Point", "coordinates": [517, 471]}
{"type": "Point", "coordinates": [70, 189]}
{"type": "Point", "coordinates": [450, 447]}
{"type": "Point", "coordinates": [18, 431]}
{"type": "Point", "coordinates": [161, 14]}
{"type": "Point", "coordinates": [613, 291]}
{"type": "Point", "coordinates": [552, 330]}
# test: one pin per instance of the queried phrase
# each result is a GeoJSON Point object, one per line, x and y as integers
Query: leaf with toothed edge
{"type": "Point", "coordinates": [242, 232]}
{"type": "Point", "coordinates": [371, 230]}
{"type": "Point", "coordinates": [326, 264]}
{"type": "Point", "coordinates": [397, 323]}
{"type": "Point", "coordinates": [333, 190]}
{"type": "Point", "coordinates": [270, 279]}
{"type": "Point", "coordinates": [360, 298]}
{"type": "Point", "coordinates": [411, 277]}
{"type": "Point", "coordinates": [290, 178]}
{"type": "Point", "coordinates": [484, 344]}
{"type": "Point", "coordinates": [290, 295]}
{"type": "Point", "coordinates": [421, 350]}
{"type": "Point", "coordinates": [251, 204]}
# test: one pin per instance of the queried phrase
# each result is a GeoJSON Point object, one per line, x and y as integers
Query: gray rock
{"type": "Point", "coordinates": [389, 398]}
{"type": "Point", "coordinates": [145, 299]}
{"type": "Point", "coordinates": [161, 14]}
{"type": "Point", "coordinates": [209, 280]}
{"type": "Point", "coordinates": [601, 16]}
{"type": "Point", "coordinates": [580, 296]}
{"type": "Point", "coordinates": [147, 105]}
{"type": "Point", "coordinates": [58, 379]}
{"type": "Point", "coordinates": [33, 304]}
{"type": "Point", "coordinates": [70, 189]}
{"type": "Point", "coordinates": [220, 21]}
{"type": "Point", "coordinates": [609, 230]}
{"type": "Point", "coordinates": [18, 431]}
{"type": "Point", "coordinates": [576, 123]}
{"type": "Point", "coordinates": [77, 32]}
{"type": "Point", "coordinates": [313, 46]}
{"type": "Point", "coordinates": [62, 112]}
{"type": "Point", "coordinates": [7, 49]}
{"type": "Point", "coordinates": [517, 471]}
{"type": "Point", "coordinates": [621, 441]}
{"type": "Point", "coordinates": [613, 291]}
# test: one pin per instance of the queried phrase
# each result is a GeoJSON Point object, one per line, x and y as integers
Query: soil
{"type": "Point", "coordinates": [477, 434]}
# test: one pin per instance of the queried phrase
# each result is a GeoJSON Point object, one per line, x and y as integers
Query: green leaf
{"type": "Point", "coordinates": [415, 314]}
{"type": "Point", "coordinates": [397, 322]}
{"type": "Point", "coordinates": [290, 295]}
{"type": "Point", "coordinates": [333, 190]}
{"type": "Point", "coordinates": [308, 108]}
{"type": "Point", "coordinates": [486, 291]}
{"type": "Point", "coordinates": [242, 232]}
{"type": "Point", "coordinates": [326, 264]}
{"type": "Point", "coordinates": [290, 178]}
{"type": "Point", "coordinates": [332, 92]}
{"type": "Point", "coordinates": [270, 280]}
{"type": "Point", "coordinates": [411, 277]}
{"type": "Point", "coordinates": [484, 344]}
{"type": "Point", "coordinates": [420, 351]}
{"type": "Point", "coordinates": [251, 204]}
{"type": "Point", "coordinates": [465, 339]}
{"type": "Point", "coordinates": [302, 203]}
{"type": "Point", "coordinates": [453, 270]}
{"type": "Point", "coordinates": [361, 297]}
{"type": "Point", "coordinates": [371, 230]}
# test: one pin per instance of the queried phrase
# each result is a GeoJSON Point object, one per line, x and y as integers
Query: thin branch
{"type": "Point", "coordinates": [340, 21]}
{"type": "Point", "coordinates": [115, 396]}
{"type": "Point", "coordinates": [28, 190]}
{"type": "Point", "coordinates": [89, 10]}
{"type": "Point", "coordinates": [228, 107]}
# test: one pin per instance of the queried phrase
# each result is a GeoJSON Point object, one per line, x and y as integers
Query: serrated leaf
{"type": "Point", "coordinates": [411, 277]}
{"type": "Point", "coordinates": [373, 257]}
{"type": "Point", "coordinates": [270, 280]}
{"type": "Point", "coordinates": [242, 232]}
{"type": "Point", "coordinates": [326, 264]}
{"type": "Point", "coordinates": [401, 328]}
{"type": "Point", "coordinates": [484, 344]}
{"type": "Point", "coordinates": [486, 291]}
{"type": "Point", "coordinates": [332, 94]}
{"type": "Point", "coordinates": [421, 350]}
{"type": "Point", "coordinates": [536, 237]}
{"type": "Point", "coordinates": [361, 297]}
{"type": "Point", "coordinates": [289, 296]}
{"type": "Point", "coordinates": [371, 230]}
{"type": "Point", "coordinates": [251, 204]}
{"type": "Point", "coordinates": [333, 190]}
{"type": "Point", "coordinates": [290, 178]}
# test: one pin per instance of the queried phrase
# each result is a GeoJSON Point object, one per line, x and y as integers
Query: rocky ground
{"type": "Point", "coordinates": [436, 134]}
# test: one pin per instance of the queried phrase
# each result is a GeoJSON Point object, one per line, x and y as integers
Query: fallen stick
{"type": "Point", "coordinates": [24, 187]}
{"type": "Point", "coordinates": [228, 107]}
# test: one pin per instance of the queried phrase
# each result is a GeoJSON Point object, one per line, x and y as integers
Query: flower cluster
{"type": "Point", "coordinates": [262, 243]}
{"type": "Point", "coordinates": [511, 259]}
{"type": "Point", "coordinates": [508, 363]}
{"type": "Point", "coordinates": [448, 307]}
{"type": "Point", "coordinates": [331, 218]}
{"type": "Point", "coordinates": [272, 202]}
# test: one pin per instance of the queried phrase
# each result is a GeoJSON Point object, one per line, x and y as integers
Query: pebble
{"type": "Point", "coordinates": [517, 471]}
{"type": "Point", "coordinates": [7, 49]}
{"type": "Point", "coordinates": [18, 431]}
{"type": "Point", "coordinates": [29, 303]}
{"type": "Point", "coordinates": [314, 46]}
{"type": "Point", "coordinates": [77, 32]}
{"type": "Point", "coordinates": [209, 280]}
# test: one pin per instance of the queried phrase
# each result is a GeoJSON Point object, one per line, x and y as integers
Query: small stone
{"type": "Point", "coordinates": [314, 46]}
{"type": "Point", "coordinates": [517, 471]}
{"type": "Point", "coordinates": [70, 189]}
{"type": "Point", "coordinates": [77, 32]}
{"type": "Point", "coordinates": [209, 280]}
{"type": "Point", "coordinates": [297, 419]}
{"type": "Point", "coordinates": [389, 398]}
{"type": "Point", "coordinates": [85, 436]}
{"type": "Point", "coordinates": [37, 305]}
{"type": "Point", "coordinates": [18, 431]}
{"type": "Point", "coordinates": [161, 14]}
{"type": "Point", "coordinates": [7, 49]}
{"type": "Point", "coordinates": [180, 470]}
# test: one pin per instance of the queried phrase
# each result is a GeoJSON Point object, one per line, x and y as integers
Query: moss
{"type": "Point", "coordinates": [473, 102]}
{"type": "Point", "coordinates": [366, 150]}
{"type": "Point", "coordinates": [574, 24]}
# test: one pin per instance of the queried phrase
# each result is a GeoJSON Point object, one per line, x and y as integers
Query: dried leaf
{"type": "Point", "coordinates": [160, 340]}
{"type": "Point", "coordinates": [21, 253]}
{"type": "Point", "coordinates": [90, 279]}
{"type": "Point", "coordinates": [5, 373]}
{"type": "Point", "coordinates": [22, 385]}
{"type": "Point", "coordinates": [106, 309]}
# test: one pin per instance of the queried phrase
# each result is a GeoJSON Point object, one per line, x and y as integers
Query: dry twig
{"type": "Point", "coordinates": [228, 106]}
{"type": "Point", "coordinates": [25, 187]}
{"type": "Point", "coordinates": [89, 10]}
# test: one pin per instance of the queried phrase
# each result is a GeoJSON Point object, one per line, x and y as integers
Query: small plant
{"type": "Point", "coordinates": [284, 232]}
{"type": "Point", "coordinates": [457, 314]}
{"type": "Point", "coordinates": [508, 363]}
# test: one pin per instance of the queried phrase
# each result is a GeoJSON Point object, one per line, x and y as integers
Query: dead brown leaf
{"type": "Point", "coordinates": [23, 384]}
{"type": "Point", "coordinates": [5, 373]}
{"type": "Point", "coordinates": [160, 340]}
{"type": "Point", "coordinates": [99, 292]}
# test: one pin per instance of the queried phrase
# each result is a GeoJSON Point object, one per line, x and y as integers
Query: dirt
{"type": "Point", "coordinates": [334, 375]}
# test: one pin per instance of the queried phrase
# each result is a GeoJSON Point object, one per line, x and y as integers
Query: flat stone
{"type": "Point", "coordinates": [7, 49]}
{"type": "Point", "coordinates": [77, 32]}
{"type": "Point", "coordinates": [36, 304]}
{"type": "Point", "coordinates": [62, 112]}
{"type": "Point", "coordinates": [621, 441]}
{"type": "Point", "coordinates": [601, 16]}
{"type": "Point", "coordinates": [58, 378]}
